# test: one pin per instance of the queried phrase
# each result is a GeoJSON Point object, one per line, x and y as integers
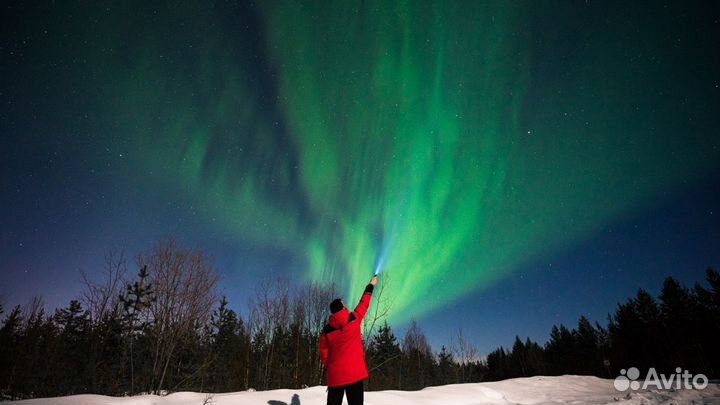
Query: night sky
{"type": "Point", "coordinates": [506, 165]}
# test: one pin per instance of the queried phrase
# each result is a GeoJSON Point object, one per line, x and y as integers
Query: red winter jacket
{"type": "Point", "coordinates": [341, 347]}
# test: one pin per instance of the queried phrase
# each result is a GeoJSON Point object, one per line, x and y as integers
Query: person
{"type": "Point", "coordinates": [341, 350]}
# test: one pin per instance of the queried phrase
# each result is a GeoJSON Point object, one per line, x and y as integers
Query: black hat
{"type": "Point", "coordinates": [336, 305]}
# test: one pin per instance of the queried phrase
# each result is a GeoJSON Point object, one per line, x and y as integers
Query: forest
{"type": "Point", "coordinates": [163, 328]}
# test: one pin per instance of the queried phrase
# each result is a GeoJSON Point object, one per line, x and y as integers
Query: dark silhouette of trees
{"type": "Point", "coordinates": [164, 332]}
{"type": "Point", "coordinates": [679, 329]}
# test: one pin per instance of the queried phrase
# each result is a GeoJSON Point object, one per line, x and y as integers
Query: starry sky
{"type": "Point", "coordinates": [505, 166]}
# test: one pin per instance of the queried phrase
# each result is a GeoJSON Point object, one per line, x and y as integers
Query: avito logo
{"type": "Point", "coordinates": [682, 379]}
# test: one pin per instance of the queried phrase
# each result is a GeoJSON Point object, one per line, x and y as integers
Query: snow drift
{"type": "Point", "coordinates": [532, 390]}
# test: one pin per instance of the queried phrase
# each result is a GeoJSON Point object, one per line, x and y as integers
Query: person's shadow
{"type": "Point", "coordinates": [294, 401]}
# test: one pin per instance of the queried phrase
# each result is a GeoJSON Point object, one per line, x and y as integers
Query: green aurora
{"type": "Point", "coordinates": [415, 131]}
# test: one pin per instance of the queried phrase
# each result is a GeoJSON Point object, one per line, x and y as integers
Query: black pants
{"type": "Point", "coordinates": [353, 391]}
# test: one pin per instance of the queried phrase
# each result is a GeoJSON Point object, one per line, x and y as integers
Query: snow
{"type": "Point", "coordinates": [566, 389]}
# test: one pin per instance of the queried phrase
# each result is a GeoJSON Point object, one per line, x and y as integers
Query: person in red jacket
{"type": "Point", "coordinates": [341, 350]}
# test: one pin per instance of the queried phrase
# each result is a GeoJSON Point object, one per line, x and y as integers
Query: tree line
{"type": "Point", "coordinates": [165, 329]}
{"type": "Point", "coordinates": [678, 329]}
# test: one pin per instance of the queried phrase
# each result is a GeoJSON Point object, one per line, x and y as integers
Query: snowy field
{"type": "Point", "coordinates": [532, 390]}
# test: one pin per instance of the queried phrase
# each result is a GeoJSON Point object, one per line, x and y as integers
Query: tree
{"type": "Point", "coordinates": [588, 359]}
{"type": "Point", "coordinates": [9, 348]}
{"type": "Point", "coordinates": [36, 341]}
{"type": "Point", "coordinates": [384, 359]}
{"type": "Point", "coordinates": [498, 367]}
{"type": "Point", "coordinates": [314, 299]}
{"type": "Point", "coordinates": [636, 334]}
{"type": "Point", "coordinates": [559, 351]}
{"type": "Point", "coordinates": [107, 365]}
{"type": "Point", "coordinates": [74, 325]}
{"type": "Point", "coordinates": [183, 281]}
{"type": "Point", "coordinates": [270, 315]}
{"type": "Point", "coordinates": [136, 301]}
{"type": "Point", "coordinates": [707, 304]}
{"type": "Point", "coordinates": [417, 358]}
{"type": "Point", "coordinates": [227, 349]}
{"type": "Point", "coordinates": [103, 297]}
{"type": "Point", "coordinates": [465, 352]}
{"type": "Point", "coordinates": [679, 313]}
{"type": "Point", "coordinates": [446, 368]}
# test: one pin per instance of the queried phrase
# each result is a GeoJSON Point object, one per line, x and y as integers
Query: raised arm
{"type": "Point", "coordinates": [362, 306]}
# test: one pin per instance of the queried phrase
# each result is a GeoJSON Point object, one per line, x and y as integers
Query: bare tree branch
{"type": "Point", "coordinates": [102, 297]}
{"type": "Point", "coordinates": [183, 281]}
{"type": "Point", "coordinates": [382, 307]}
{"type": "Point", "coordinates": [464, 350]}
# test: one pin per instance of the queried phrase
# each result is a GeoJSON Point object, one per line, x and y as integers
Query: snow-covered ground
{"type": "Point", "coordinates": [532, 390]}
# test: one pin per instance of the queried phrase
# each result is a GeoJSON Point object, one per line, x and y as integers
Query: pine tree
{"type": "Point", "coordinates": [384, 359]}
{"type": "Point", "coordinates": [136, 299]}
{"type": "Point", "coordinates": [518, 359]}
{"type": "Point", "coordinates": [707, 304]}
{"type": "Point", "coordinates": [226, 348]}
{"type": "Point", "coordinates": [525, 360]}
{"type": "Point", "coordinates": [559, 351]}
{"type": "Point", "coordinates": [588, 359]}
{"type": "Point", "coordinates": [535, 357]}
{"type": "Point", "coordinates": [446, 368]}
{"type": "Point", "coordinates": [74, 325]}
{"type": "Point", "coordinates": [33, 370]}
{"type": "Point", "coordinates": [636, 334]}
{"type": "Point", "coordinates": [498, 367]}
{"type": "Point", "coordinates": [109, 332]}
{"type": "Point", "coordinates": [679, 316]}
{"type": "Point", "coordinates": [10, 355]}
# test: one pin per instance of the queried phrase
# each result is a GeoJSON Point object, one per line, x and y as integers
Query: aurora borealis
{"type": "Point", "coordinates": [458, 142]}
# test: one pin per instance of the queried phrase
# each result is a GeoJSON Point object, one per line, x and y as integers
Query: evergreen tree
{"type": "Point", "coordinates": [588, 359]}
{"type": "Point", "coordinates": [636, 334]}
{"type": "Point", "coordinates": [680, 324]}
{"type": "Point", "coordinates": [136, 300]}
{"type": "Point", "coordinates": [446, 368]}
{"type": "Point", "coordinates": [707, 304]}
{"type": "Point", "coordinates": [10, 354]}
{"type": "Point", "coordinates": [498, 365]}
{"type": "Point", "coordinates": [69, 353]}
{"type": "Point", "coordinates": [227, 348]}
{"type": "Point", "coordinates": [74, 325]}
{"type": "Point", "coordinates": [518, 360]}
{"type": "Point", "coordinates": [36, 346]}
{"type": "Point", "coordinates": [534, 358]}
{"type": "Point", "coordinates": [109, 359]}
{"type": "Point", "coordinates": [559, 351]}
{"type": "Point", "coordinates": [384, 359]}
